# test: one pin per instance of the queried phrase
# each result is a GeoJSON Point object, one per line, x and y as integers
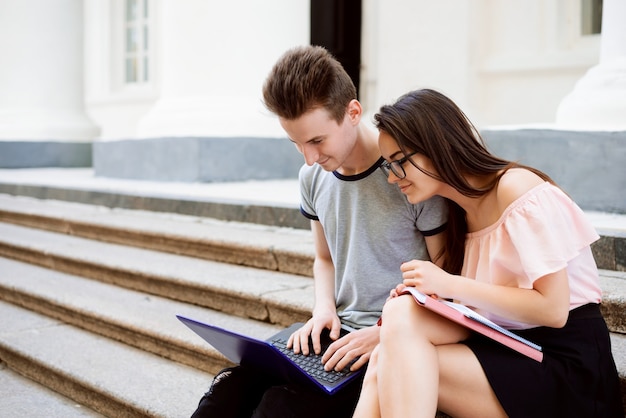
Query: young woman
{"type": "Point", "coordinates": [518, 251]}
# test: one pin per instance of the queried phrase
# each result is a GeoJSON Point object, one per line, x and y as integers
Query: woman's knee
{"type": "Point", "coordinates": [396, 313]}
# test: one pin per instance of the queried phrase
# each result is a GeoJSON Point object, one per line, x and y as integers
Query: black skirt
{"type": "Point", "coordinates": [577, 377]}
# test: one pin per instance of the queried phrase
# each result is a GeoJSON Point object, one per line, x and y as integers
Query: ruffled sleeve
{"type": "Point", "coordinates": [538, 234]}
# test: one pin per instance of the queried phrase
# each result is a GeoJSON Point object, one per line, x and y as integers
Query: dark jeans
{"type": "Point", "coordinates": [239, 392]}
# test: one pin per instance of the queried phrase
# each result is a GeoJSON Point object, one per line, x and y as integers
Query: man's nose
{"type": "Point", "coordinates": [310, 155]}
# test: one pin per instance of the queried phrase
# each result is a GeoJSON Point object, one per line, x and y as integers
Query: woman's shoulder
{"type": "Point", "coordinates": [515, 183]}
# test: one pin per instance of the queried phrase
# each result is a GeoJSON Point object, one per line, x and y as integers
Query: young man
{"type": "Point", "coordinates": [363, 229]}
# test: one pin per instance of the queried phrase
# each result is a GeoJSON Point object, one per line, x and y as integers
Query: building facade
{"type": "Point", "coordinates": [171, 90]}
{"type": "Point", "coordinates": [156, 68]}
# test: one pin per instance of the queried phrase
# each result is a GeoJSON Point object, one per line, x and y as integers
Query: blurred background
{"type": "Point", "coordinates": [170, 90]}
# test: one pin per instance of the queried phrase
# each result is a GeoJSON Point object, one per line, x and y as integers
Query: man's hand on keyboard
{"type": "Point", "coordinates": [313, 328]}
{"type": "Point", "coordinates": [355, 347]}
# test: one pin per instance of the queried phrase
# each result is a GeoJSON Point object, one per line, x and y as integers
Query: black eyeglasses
{"type": "Point", "coordinates": [396, 166]}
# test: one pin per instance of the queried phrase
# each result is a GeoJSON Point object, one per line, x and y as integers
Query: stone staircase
{"type": "Point", "coordinates": [89, 294]}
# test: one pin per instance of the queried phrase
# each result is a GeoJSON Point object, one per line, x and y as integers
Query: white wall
{"type": "Point", "coordinates": [503, 62]}
{"type": "Point", "coordinates": [530, 55]}
{"type": "Point", "coordinates": [115, 107]}
{"type": "Point", "coordinates": [41, 75]}
{"type": "Point", "coordinates": [211, 59]}
{"type": "Point", "coordinates": [417, 43]}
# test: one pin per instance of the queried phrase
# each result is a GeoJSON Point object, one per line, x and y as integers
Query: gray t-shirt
{"type": "Point", "coordinates": [371, 229]}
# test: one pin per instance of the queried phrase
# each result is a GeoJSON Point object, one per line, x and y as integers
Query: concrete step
{"type": "Point", "coordinates": [21, 397]}
{"type": "Point", "coordinates": [121, 275]}
{"type": "Point", "coordinates": [143, 321]}
{"type": "Point", "coordinates": [613, 284]}
{"type": "Point", "coordinates": [260, 202]}
{"type": "Point", "coordinates": [94, 371]}
{"type": "Point", "coordinates": [288, 248]}
{"type": "Point", "coordinates": [33, 287]}
{"type": "Point", "coordinates": [285, 249]}
{"type": "Point", "coordinates": [270, 296]}
{"type": "Point", "coordinates": [107, 376]}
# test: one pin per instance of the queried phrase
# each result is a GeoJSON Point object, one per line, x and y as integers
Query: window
{"type": "Point", "coordinates": [591, 15]}
{"type": "Point", "coordinates": [136, 45]}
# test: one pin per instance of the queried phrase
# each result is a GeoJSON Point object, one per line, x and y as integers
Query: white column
{"type": "Point", "coordinates": [41, 76]}
{"type": "Point", "coordinates": [214, 57]}
{"type": "Point", "coordinates": [598, 101]}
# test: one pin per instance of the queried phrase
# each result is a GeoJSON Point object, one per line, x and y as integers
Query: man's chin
{"type": "Point", "coordinates": [327, 166]}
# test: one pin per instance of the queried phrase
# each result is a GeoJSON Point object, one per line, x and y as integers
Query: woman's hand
{"type": "Point", "coordinates": [426, 277]}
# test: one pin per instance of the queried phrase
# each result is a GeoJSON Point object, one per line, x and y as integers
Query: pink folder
{"type": "Point", "coordinates": [461, 314]}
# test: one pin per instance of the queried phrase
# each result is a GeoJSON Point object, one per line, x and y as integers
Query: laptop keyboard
{"type": "Point", "coordinates": [312, 363]}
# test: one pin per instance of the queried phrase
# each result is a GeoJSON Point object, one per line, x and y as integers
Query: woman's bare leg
{"type": "Point", "coordinates": [408, 371]}
{"type": "Point", "coordinates": [464, 390]}
{"type": "Point", "coordinates": [368, 406]}
{"type": "Point", "coordinates": [419, 367]}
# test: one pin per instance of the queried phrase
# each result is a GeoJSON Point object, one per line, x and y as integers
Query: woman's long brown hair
{"type": "Point", "coordinates": [427, 122]}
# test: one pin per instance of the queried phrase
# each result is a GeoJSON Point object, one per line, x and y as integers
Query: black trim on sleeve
{"type": "Point", "coordinates": [308, 215]}
{"type": "Point", "coordinates": [435, 231]}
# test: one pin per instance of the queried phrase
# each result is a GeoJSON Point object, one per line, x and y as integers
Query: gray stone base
{"type": "Point", "coordinates": [589, 166]}
{"type": "Point", "coordinates": [197, 159]}
{"type": "Point", "coordinates": [34, 154]}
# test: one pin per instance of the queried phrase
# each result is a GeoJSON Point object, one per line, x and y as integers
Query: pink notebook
{"type": "Point", "coordinates": [463, 315]}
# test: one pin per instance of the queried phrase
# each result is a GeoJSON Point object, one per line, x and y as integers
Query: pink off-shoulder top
{"type": "Point", "coordinates": [541, 232]}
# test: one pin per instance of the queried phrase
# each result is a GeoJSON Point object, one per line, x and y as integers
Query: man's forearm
{"type": "Point", "coordinates": [324, 284]}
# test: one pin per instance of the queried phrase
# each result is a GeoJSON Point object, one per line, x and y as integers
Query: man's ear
{"type": "Point", "coordinates": [354, 111]}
